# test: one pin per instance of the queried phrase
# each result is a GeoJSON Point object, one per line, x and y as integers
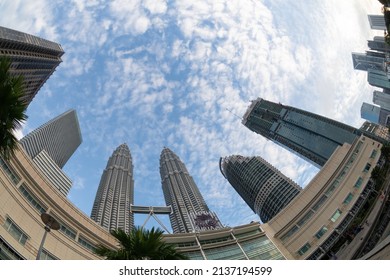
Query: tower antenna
{"type": "Point", "coordinates": [234, 114]}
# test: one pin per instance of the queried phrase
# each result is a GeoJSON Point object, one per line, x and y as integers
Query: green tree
{"type": "Point", "coordinates": [140, 244]}
{"type": "Point", "coordinates": [12, 108]}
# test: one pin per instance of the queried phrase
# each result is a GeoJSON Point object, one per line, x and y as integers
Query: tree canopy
{"type": "Point", "coordinates": [140, 244]}
{"type": "Point", "coordinates": [12, 108]}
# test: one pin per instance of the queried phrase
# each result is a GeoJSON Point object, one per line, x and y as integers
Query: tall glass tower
{"type": "Point", "coordinates": [111, 208]}
{"type": "Point", "coordinates": [190, 212]}
{"type": "Point", "coordinates": [52, 144]}
{"type": "Point", "coordinates": [312, 137]}
{"type": "Point", "coordinates": [32, 57]}
{"type": "Point", "coordinates": [263, 187]}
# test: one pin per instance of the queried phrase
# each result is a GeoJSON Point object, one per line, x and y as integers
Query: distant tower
{"type": "Point", "coordinates": [32, 57]}
{"type": "Point", "coordinates": [52, 144]}
{"type": "Point", "coordinates": [263, 187]}
{"type": "Point", "coordinates": [115, 194]}
{"type": "Point", "coordinates": [312, 137]}
{"type": "Point", "coordinates": [381, 99]}
{"type": "Point", "coordinates": [375, 114]}
{"type": "Point", "coordinates": [189, 210]}
{"type": "Point", "coordinates": [377, 22]}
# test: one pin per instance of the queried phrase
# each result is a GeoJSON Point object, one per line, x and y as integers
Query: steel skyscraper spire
{"type": "Point", "coordinates": [189, 210]}
{"type": "Point", "coordinates": [111, 208]}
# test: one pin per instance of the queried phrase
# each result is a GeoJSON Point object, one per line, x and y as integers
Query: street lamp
{"type": "Point", "coordinates": [50, 224]}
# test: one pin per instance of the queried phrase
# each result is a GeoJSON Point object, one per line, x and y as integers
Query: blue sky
{"type": "Point", "coordinates": [158, 73]}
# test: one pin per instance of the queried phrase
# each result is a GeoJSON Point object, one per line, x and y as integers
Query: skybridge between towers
{"type": "Point", "coordinates": [152, 211]}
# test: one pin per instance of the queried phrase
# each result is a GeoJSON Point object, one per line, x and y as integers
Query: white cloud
{"type": "Point", "coordinates": [173, 85]}
{"type": "Point", "coordinates": [156, 6]}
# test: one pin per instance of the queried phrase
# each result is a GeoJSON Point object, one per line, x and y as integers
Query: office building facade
{"type": "Point", "coordinates": [368, 60]}
{"type": "Point", "coordinates": [378, 44]}
{"type": "Point", "coordinates": [59, 137]}
{"type": "Point", "coordinates": [264, 188]}
{"type": "Point", "coordinates": [32, 57]}
{"type": "Point", "coordinates": [377, 22]}
{"type": "Point", "coordinates": [378, 78]}
{"type": "Point", "coordinates": [52, 144]}
{"type": "Point", "coordinates": [375, 114]}
{"type": "Point", "coordinates": [312, 137]}
{"type": "Point", "coordinates": [190, 212]}
{"type": "Point", "coordinates": [115, 194]}
{"type": "Point", "coordinates": [381, 99]}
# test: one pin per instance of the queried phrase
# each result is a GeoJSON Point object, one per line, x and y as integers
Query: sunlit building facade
{"type": "Point", "coordinates": [190, 212]}
{"type": "Point", "coordinates": [318, 217]}
{"type": "Point", "coordinates": [115, 194]}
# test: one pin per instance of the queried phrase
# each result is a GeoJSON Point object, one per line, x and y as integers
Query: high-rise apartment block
{"type": "Point", "coordinates": [32, 57]}
{"type": "Point", "coordinates": [264, 188]}
{"type": "Point", "coordinates": [52, 144]}
{"type": "Point", "coordinates": [190, 212]}
{"type": "Point", "coordinates": [111, 208]}
{"type": "Point", "coordinates": [312, 137]}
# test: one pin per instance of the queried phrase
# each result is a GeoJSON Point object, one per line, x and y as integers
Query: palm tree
{"type": "Point", "coordinates": [140, 244]}
{"type": "Point", "coordinates": [12, 108]}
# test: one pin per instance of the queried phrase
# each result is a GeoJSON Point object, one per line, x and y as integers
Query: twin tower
{"type": "Point", "coordinates": [115, 194]}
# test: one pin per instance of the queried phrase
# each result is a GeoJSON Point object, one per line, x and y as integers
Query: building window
{"type": "Point", "coordinates": [304, 249]}
{"type": "Point", "coordinates": [336, 215]}
{"type": "Point", "coordinates": [359, 182]}
{"type": "Point", "coordinates": [86, 244]}
{"type": "Point", "coordinates": [45, 255]}
{"type": "Point", "coordinates": [290, 233]}
{"type": "Point", "coordinates": [367, 168]}
{"type": "Point", "coordinates": [10, 172]}
{"type": "Point", "coordinates": [373, 154]}
{"type": "Point", "coordinates": [32, 199]}
{"type": "Point", "coordinates": [348, 199]}
{"type": "Point", "coordinates": [15, 231]}
{"type": "Point", "coordinates": [321, 232]}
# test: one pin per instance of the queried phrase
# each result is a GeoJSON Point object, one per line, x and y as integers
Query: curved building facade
{"type": "Point", "coordinates": [111, 208]}
{"type": "Point", "coordinates": [264, 188]}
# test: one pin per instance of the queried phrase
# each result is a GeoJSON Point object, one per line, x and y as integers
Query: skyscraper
{"type": "Point", "coordinates": [52, 144]}
{"type": "Point", "coordinates": [111, 208]}
{"type": "Point", "coordinates": [378, 78]}
{"type": "Point", "coordinates": [369, 60]}
{"type": "Point", "coordinates": [190, 212]}
{"type": "Point", "coordinates": [377, 22]}
{"type": "Point", "coordinates": [60, 137]}
{"type": "Point", "coordinates": [382, 99]}
{"type": "Point", "coordinates": [378, 44]}
{"type": "Point", "coordinates": [263, 187]}
{"type": "Point", "coordinates": [32, 57]}
{"type": "Point", "coordinates": [312, 137]}
{"type": "Point", "coordinates": [375, 114]}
